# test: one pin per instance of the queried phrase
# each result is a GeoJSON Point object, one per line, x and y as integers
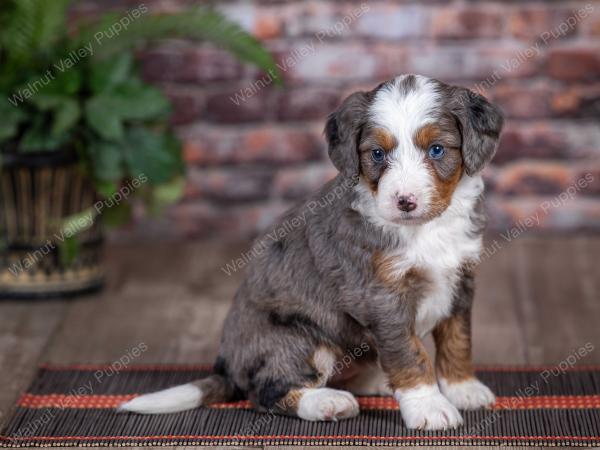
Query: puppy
{"type": "Point", "coordinates": [380, 257]}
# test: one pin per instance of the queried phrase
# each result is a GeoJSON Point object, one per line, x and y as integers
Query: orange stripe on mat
{"type": "Point", "coordinates": [376, 403]}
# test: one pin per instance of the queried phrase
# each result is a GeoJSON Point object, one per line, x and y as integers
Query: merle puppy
{"type": "Point", "coordinates": [388, 261]}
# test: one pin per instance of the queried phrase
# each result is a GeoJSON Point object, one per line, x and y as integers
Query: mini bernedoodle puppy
{"type": "Point", "coordinates": [388, 261]}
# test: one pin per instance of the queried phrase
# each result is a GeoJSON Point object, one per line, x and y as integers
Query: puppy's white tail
{"type": "Point", "coordinates": [180, 398]}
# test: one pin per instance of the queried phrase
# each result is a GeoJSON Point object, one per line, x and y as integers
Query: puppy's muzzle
{"type": "Point", "coordinates": [407, 203]}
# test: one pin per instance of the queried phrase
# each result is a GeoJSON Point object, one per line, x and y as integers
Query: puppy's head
{"type": "Point", "coordinates": [411, 140]}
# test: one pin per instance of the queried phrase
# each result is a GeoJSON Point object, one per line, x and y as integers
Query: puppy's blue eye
{"type": "Point", "coordinates": [378, 155]}
{"type": "Point", "coordinates": [436, 151]}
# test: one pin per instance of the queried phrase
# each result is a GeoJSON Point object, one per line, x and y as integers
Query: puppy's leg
{"type": "Point", "coordinates": [454, 365]}
{"type": "Point", "coordinates": [369, 380]}
{"type": "Point", "coordinates": [303, 393]}
{"type": "Point", "coordinates": [422, 405]}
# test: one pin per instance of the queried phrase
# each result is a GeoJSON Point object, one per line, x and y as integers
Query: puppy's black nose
{"type": "Point", "coordinates": [406, 203]}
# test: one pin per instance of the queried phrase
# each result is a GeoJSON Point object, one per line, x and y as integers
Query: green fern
{"type": "Point", "coordinates": [198, 23]}
{"type": "Point", "coordinates": [32, 28]}
{"type": "Point", "coordinates": [100, 105]}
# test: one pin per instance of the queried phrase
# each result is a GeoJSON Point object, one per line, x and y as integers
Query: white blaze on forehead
{"type": "Point", "coordinates": [403, 111]}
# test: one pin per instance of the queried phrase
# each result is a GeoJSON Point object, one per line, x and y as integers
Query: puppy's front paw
{"type": "Point", "coordinates": [468, 394]}
{"type": "Point", "coordinates": [327, 404]}
{"type": "Point", "coordinates": [426, 408]}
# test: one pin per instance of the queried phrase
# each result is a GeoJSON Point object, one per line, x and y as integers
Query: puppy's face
{"type": "Point", "coordinates": [410, 141]}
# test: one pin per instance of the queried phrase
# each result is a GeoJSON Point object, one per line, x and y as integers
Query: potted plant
{"type": "Point", "coordinates": [81, 132]}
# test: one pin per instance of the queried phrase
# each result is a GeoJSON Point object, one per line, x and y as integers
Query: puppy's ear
{"type": "Point", "coordinates": [342, 131]}
{"type": "Point", "coordinates": [480, 123]}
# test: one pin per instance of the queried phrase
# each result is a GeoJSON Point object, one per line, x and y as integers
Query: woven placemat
{"type": "Point", "coordinates": [74, 405]}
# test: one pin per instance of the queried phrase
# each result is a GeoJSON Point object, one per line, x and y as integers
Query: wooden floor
{"type": "Point", "coordinates": [538, 301]}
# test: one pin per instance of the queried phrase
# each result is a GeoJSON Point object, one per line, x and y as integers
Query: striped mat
{"type": "Point", "coordinates": [74, 406]}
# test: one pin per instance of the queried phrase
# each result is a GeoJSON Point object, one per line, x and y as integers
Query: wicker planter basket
{"type": "Point", "coordinates": [37, 192]}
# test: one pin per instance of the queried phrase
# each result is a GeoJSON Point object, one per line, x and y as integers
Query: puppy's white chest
{"type": "Point", "coordinates": [438, 250]}
{"type": "Point", "coordinates": [437, 303]}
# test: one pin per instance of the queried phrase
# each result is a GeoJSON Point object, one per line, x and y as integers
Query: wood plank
{"type": "Point", "coordinates": [559, 283]}
{"type": "Point", "coordinates": [497, 329]}
{"type": "Point", "coordinates": [172, 302]}
{"type": "Point", "coordinates": [25, 328]}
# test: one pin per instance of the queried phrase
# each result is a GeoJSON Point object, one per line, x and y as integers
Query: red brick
{"type": "Point", "coordinates": [589, 179]}
{"type": "Point", "coordinates": [268, 25]}
{"type": "Point", "coordinates": [188, 104]}
{"type": "Point", "coordinates": [198, 64]}
{"type": "Point", "coordinates": [227, 107]}
{"type": "Point", "coordinates": [307, 103]}
{"type": "Point", "coordinates": [577, 101]}
{"type": "Point", "coordinates": [574, 63]}
{"type": "Point", "coordinates": [523, 101]}
{"type": "Point", "coordinates": [322, 21]}
{"type": "Point", "coordinates": [582, 139]}
{"type": "Point", "coordinates": [202, 220]}
{"type": "Point", "coordinates": [228, 184]}
{"type": "Point", "coordinates": [295, 183]}
{"type": "Point", "coordinates": [303, 19]}
{"type": "Point", "coordinates": [591, 25]}
{"type": "Point", "coordinates": [488, 65]}
{"type": "Point", "coordinates": [535, 140]}
{"type": "Point", "coordinates": [391, 60]}
{"type": "Point", "coordinates": [532, 178]}
{"type": "Point", "coordinates": [456, 22]}
{"type": "Point", "coordinates": [310, 60]}
{"type": "Point", "coordinates": [393, 21]}
{"type": "Point", "coordinates": [546, 22]}
{"type": "Point", "coordinates": [267, 144]}
{"type": "Point", "coordinates": [518, 216]}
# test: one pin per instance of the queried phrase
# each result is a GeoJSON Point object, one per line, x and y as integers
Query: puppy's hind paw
{"type": "Point", "coordinates": [468, 394]}
{"type": "Point", "coordinates": [426, 408]}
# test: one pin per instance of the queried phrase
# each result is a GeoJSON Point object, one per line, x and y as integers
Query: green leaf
{"type": "Point", "coordinates": [117, 215]}
{"type": "Point", "coordinates": [106, 188]}
{"type": "Point", "coordinates": [102, 116]}
{"type": "Point", "coordinates": [170, 192]}
{"type": "Point", "coordinates": [39, 138]}
{"type": "Point", "coordinates": [151, 154]}
{"type": "Point", "coordinates": [65, 117]}
{"type": "Point", "coordinates": [140, 102]}
{"type": "Point", "coordinates": [34, 28]}
{"type": "Point", "coordinates": [68, 250]}
{"type": "Point", "coordinates": [107, 161]}
{"type": "Point", "coordinates": [106, 74]}
{"type": "Point", "coordinates": [164, 194]}
{"type": "Point", "coordinates": [65, 109]}
{"type": "Point", "coordinates": [66, 82]}
{"type": "Point", "coordinates": [77, 223]}
{"type": "Point", "coordinates": [195, 23]}
{"type": "Point", "coordinates": [46, 102]}
{"type": "Point", "coordinates": [11, 116]}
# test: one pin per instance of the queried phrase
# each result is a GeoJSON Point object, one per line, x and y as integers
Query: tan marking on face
{"type": "Point", "coordinates": [453, 349]}
{"type": "Point", "coordinates": [375, 138]}
{"type": "Point", "coordinates": [444, 188]}
{"type": "Point", "coordinates": [420, 371]}
{"type": "Point", "coordinates": [446, 172]}
{"type": "Point", "coordinates": [385, 139]}
{"type": "Point", "coordinates": [426, 135]}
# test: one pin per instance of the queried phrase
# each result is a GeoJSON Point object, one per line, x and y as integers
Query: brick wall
{"type": "Point", "coordinates": [254, 148]}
